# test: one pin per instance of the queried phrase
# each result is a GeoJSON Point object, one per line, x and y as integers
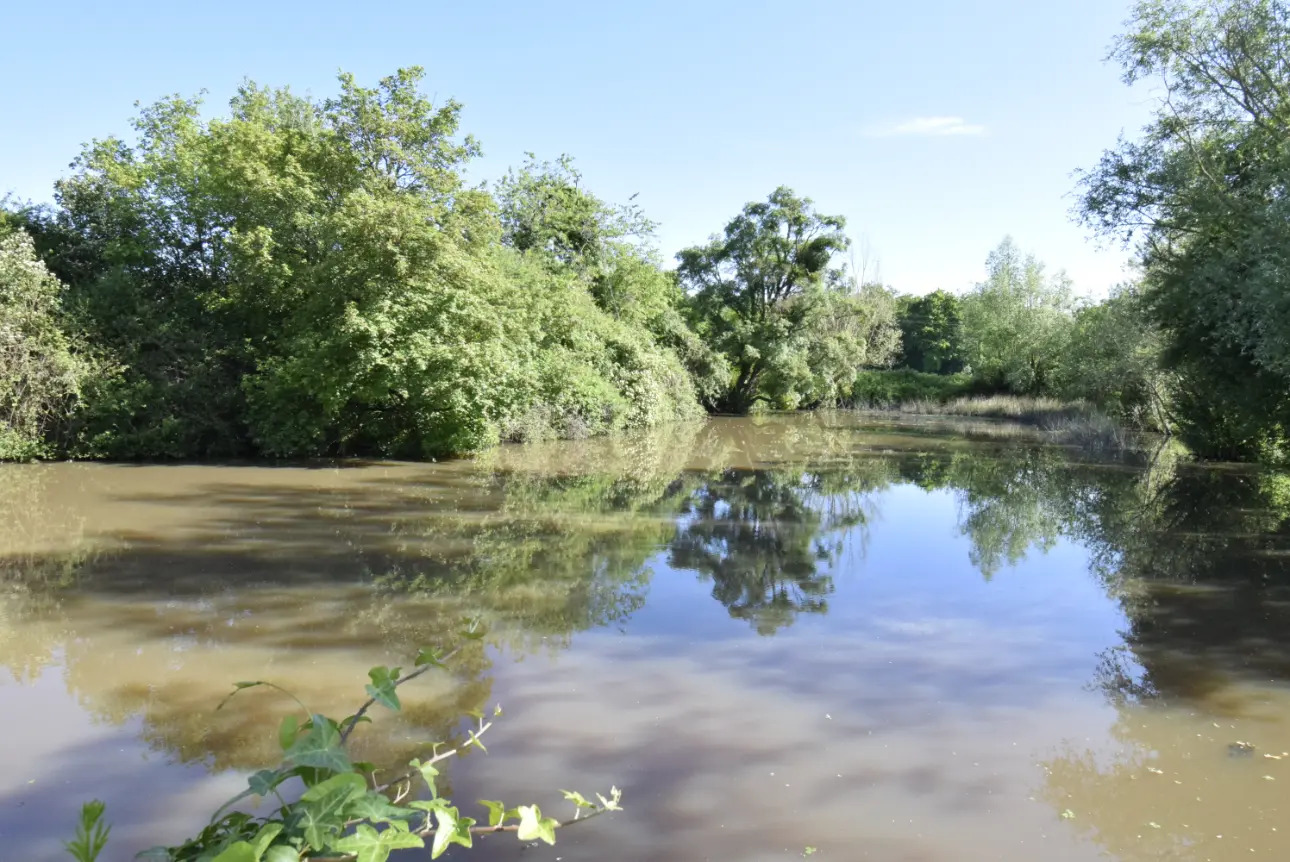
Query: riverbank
{"type": "Point", "coordinates": [1075, 423]}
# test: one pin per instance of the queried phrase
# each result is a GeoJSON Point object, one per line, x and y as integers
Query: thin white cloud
{"type": "Point", "coordinates": [928, 127]}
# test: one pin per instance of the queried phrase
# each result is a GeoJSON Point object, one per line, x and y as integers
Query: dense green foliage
{"type": "Point", "coordinates": [1015, 323]}
{"type": "Point", "coordinates": [40, 370]}
{"type": "Point", "coordinates": [1201, 193]}
{"type": "Point", "coordinates": [303, 277]}
{"type": "Point", "coordinates": [1022, 333]}
{"type": "Point", "coordinates": [882, 389]}
{"type": "Point", "coordinates": [931, 333]}
{"type": "Point", "coordinates": [793, 327]}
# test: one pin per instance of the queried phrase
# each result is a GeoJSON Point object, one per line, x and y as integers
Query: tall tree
{"type": "Point", "coordinates": [1201, 195]}
{"type": "Point", "coordinates": [40, 370]}
{"type": "Point", "coordinates": [931, 333]}
{"type": "Point", "coordinates": [1016, 322]}
{"type": "Point", "coordinates": [754, 290]}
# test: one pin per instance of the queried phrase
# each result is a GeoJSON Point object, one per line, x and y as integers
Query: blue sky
{"type": "Point", "coordinates": [935, 127]}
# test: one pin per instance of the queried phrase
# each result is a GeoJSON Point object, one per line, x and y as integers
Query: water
{"type": "Point", "coordinates": [884, 642]}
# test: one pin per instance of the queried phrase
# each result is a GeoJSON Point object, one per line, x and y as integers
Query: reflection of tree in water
{"type": "Point", "coordinates": [769, 539]}
{"type": "Point", "coordinates": [545, 542]}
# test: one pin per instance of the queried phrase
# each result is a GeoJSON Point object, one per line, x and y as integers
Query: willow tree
{"type": "Point", "coordinates": [767, 295]}
{"type": "Point", "coordinates": [1201, 197]}
{"type": "Point", "coordinates": [1016, 323]}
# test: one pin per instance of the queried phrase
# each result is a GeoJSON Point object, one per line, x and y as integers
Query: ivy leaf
{"type": "Point", "coordinates": [287, 731]}
{"type": "Point", "coordinates": [242, 851]}
{"type": "Point", "coordinates": [496, 812]}
{"type": "Point", "coordinates": [320, 747]}
{"type": "Point", "coordinates": [322, 808]}
{"type": "Point", "coordinates": [382, 689]}
{"type": "Point", "coordinates": [474, 740]}
{"type": "Point", "coordinates": [428, 772]}
{"type": "Point", "coordinates": [281, 853]}
{"type": "Point", "coordinates": [263, 782]}
{"type": "Point", "coordinates": [452, 829]}
{"type": "Point", "coordinates": [349, 783]}
{"type": "Point", "coordinates": [375, 808]}
{"type": "Point", "coordinates": [534, 826]}
{"type": "Point", "coordinates": [611, 804]}
{"type": "Point", "coordinates": [368, 845]}
{"type": "Point", "coordinates": [265, 837]}
{"type": "Point", "coordinates": [577, 799]}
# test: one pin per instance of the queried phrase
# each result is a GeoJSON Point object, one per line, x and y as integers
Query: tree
{"type": "Point", "coordinates": [1113, 359]}
{"type": "Point", "coordinates": [1201, 197]}
{"type": "Point", "coordinates": [41, 371]}
{"type": "Point", "coordinates": [1015, 323]}
{"type": "Point", "coordinates": [931, 333]}
{"type": "Point", "coordinates": [308, 277]}
{"type": "Point", "coordinates": [757, 291]}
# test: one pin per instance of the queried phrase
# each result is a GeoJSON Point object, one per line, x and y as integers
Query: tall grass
{"type": "Point", "coordinates": [912, 392]}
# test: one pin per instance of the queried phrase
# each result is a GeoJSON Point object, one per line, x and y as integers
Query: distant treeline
{"type": "Point", "coordinates": [304, 277]}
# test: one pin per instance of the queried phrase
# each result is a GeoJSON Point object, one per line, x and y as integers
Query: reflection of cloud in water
{"type": "Point", "coordinates": [721, 757]}
{"type": "Point", "coordinates": [913, 709]}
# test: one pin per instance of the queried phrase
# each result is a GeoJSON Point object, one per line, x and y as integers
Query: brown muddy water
{"type": "Point", "coordinates": [884, 642]}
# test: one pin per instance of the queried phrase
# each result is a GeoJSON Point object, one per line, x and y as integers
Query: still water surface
{"type": "Point", "coordinates": [884, 642]}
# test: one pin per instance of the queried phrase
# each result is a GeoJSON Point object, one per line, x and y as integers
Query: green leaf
{"type": "Point", "coordinates": [265, 837]}
{"type": "Point", "coordinates": [496, 812]}
{"type": "Point", "coordinates": [382, 689]}
{"type": "Point", "coordinates": [368, 845]}
{"type": "Point", "coordinates": [319, 747]}
{"type": "Point", "coordinates": [533, 826]}
{"type": "Point", "coordinates": [322, 808]}
{"type": "Point", "coordinates": [375, 808]}
{"type": "Point", "coordinates": [428, 772]}
{"type": "Point", "coordinates": [91, 833]}
{"type": "Point", "coordinates": [281, 853]}
{"type": "Point", "coordinates": [452, 829]}
{"type": "Point", "coordinates": [263, 782]}
{"type": "Point", "coordinates": [349, 782]}
{"type": "Point", "coordinates": [287, 731]}
{"type": "Point", "coordinates": [611, 804]}
{"type": "Point", "coordinates": [242, 851]}
{"type": "Point", "coordinates": [474, 740]}
{"type": "Point", "coordinates": [577, 799]}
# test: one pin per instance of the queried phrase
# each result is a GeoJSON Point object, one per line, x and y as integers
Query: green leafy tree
{"type": "Point", "coordinates": [1016, 323]}
{"type": "Point", "coordinates": [931, 333]}
{"type": "Point", "coordinates": [1113, 360]}
{"type": "Point", "coordinates": [792, 326]}
{"type": "Point", "coordinates": [1201, 196]}
{"type": "Point", "coordinates": [41, 371]}
{"type": "Point", "coordinates": [308, 277]}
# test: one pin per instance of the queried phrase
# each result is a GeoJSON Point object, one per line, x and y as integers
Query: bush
{"type": "Point", "coordinates": [889, 389]}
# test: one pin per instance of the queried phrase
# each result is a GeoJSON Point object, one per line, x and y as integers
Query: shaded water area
{"type": "Point", "coordinates": [883, 641]}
